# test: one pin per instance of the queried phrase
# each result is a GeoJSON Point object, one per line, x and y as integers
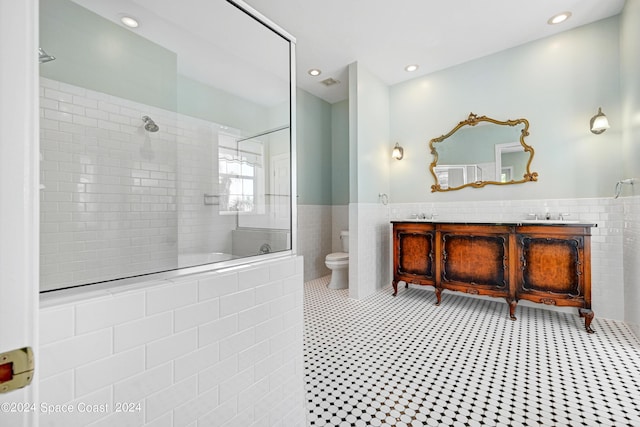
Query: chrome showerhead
{"type": "Point", "coordinates": [149, 124]}
{"type": "Point", "coordinates": [44, 56]}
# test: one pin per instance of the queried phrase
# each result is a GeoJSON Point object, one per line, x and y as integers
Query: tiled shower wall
{"type": "Point", "coordinates": [116, 197]}
{"type": "Point", "coordinates": [216, 349]}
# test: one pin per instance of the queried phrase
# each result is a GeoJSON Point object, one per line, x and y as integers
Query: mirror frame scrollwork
{"type": "Point", "coordinates": [473, 120]}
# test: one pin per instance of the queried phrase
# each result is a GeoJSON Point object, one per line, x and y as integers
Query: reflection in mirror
{"type": "Point", "coordinates": [163, 146]}
{"type": "Point", "coordinates": [510, 161]}
{"type": "Point", "coordinates": [480, 151]}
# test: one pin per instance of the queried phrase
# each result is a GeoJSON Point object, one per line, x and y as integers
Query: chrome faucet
{"type": "Point", "coordinates": [422, 215]}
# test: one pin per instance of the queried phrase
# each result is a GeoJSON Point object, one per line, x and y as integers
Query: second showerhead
{"type": "Point", "coordinates": [149, 124]}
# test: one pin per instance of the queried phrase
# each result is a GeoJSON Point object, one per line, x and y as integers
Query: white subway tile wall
{"type": "Point", "coordinates": [118, 200]}
{"type": "Point", "coordinates": [314, 238]}
{"type": "Point", "coordinates": [339, 222]}
{"type": "Point", "coordinates": [632, 262]}
{"type": "Point", "coordinates": [185, 351]}
{"type": "Point", "coordinates": [369, 249]}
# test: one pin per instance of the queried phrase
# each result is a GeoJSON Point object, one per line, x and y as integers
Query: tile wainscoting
{"type": "Point", "coordinates": [314, 239]}
{"type": "Point", "coordinates": [632, 263]}
{"type": "Point", "coordinates": [220, 348]}
{"type": "Point", "coordinates": [369, 249]}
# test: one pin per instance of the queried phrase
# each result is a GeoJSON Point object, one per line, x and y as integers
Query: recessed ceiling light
{"type": "Point", "coordinates": [560, 17]}
{"type": "Point", "coordinates": [314, 72]}
{"type": "Point", "coordinates": [129, 21]}
{"type": "Point", "coordinates": [411, 68]}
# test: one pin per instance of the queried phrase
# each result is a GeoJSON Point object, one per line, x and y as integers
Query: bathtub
{"type": "Point", "coordinates": [193, 259]}
{"type": "Point", "coordinates": [249, 242]}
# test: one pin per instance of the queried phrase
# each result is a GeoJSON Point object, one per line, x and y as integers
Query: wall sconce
{"type": "Point", "coordinates": [599, 122]}
{"type": "Point", "coordinates": [398, 152]}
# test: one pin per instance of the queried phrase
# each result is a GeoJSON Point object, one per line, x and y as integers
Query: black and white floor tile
{"type": "Point", "coordinates": [402, 361]}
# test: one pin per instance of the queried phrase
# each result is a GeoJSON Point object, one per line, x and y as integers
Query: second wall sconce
{"type": "Point", "coordinates": [599, 123]}
{"type": "Point", "coordinates": [398, 152]}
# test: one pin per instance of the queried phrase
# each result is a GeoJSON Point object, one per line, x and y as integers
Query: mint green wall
{"type": "Point", "coordinates": [97, 54]}
{"type": "Point", "coordinates": [369, 143]}
{"type": "Point", "coordinates": [322, 151]}
{"type": "Point", "coordinates": [557, 83]}
{"type": "Point", "coordinates": [630, 83]}
{"type": "Point", "coordinates": [340, 153]}
{"type": "Point", "coordinates": [313, 145]}
{"type": "Point", "coordinates": [196, 99]}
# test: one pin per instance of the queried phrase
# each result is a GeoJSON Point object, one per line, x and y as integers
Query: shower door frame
{"type": "Point", "coordinates": [19, 197]}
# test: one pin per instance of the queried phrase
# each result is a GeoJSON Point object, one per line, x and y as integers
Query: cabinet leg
{"type": "Point", "coordinates": [395, 287]}
{"type": "Point", "coordinates": [438, 296]}
{"type": "Point", "coordinates": [512, 308]}
{"type": "Point", "coordinates": [588, 315]}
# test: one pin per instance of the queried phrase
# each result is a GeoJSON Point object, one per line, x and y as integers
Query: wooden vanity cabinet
{"type": "Point", "coordinates": [547, 264]}
{"type": "Point", "coordinates": [555, 265]}
{"type": "Point", "coordinates": [414, 254]}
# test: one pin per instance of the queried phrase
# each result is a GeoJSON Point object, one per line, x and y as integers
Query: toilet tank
{"type": "Point", "coordinates": [344, 240]}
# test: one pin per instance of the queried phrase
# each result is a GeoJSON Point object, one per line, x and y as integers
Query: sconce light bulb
{"type": "Point", "coordinates": [599, 123]}
{"type": "Point", "coordinates": [398, 152]}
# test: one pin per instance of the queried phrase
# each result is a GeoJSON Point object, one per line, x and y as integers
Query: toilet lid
{"type": "Point", "coordinates": [338, 256]}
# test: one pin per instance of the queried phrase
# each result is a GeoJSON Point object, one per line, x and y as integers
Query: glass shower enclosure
{"type": "Point", "coordinates": [165, 145]}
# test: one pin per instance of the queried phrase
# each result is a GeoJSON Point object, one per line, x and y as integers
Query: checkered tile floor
{"type": "Point", "coordinates": [402, 361]}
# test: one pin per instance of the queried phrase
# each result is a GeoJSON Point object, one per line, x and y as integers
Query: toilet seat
{"type": "Point", "coordinates": [338, 263]}
{"type": "Point", "coordinates": [337, 256]}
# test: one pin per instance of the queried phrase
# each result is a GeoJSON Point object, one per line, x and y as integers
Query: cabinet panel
{"type": "Point", "coordinates": [475, 260]}
{"type": "Point", "coordinates": [551, 266]}
{"type": "Point", "coordinates": [415, 254]}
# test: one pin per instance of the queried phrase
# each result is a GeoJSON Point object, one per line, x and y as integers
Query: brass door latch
{"type": "Point", "coordinates": [16, 369]}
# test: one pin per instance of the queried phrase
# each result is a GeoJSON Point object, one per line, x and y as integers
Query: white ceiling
{"type": "Point", "coordinates": [382, 35]}
{"type": "Point", "coordinates": [385, 36]}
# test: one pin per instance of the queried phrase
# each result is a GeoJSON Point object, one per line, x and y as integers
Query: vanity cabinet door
{"type": "Point", "coordinates": [554, 266]}
{"type": "Point", "coordinates": [475, 259]}
{"type": "Point", "coordinates": [413, 253]}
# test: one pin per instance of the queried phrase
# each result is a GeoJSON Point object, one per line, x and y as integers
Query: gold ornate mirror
{"type": "Point", "coordinates": [481, 151]}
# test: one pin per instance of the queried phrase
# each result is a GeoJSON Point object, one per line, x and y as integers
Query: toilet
{"type": "Point", "coordinates": [338, 263]}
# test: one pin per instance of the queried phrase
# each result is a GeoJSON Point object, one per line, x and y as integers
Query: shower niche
{"type": "Point", "coordinates": [162, 148]}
